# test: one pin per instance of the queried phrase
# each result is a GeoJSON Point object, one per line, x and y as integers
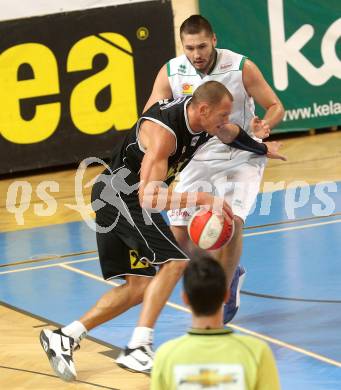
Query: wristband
{"type": "Point", "coordinates": [244, 142]}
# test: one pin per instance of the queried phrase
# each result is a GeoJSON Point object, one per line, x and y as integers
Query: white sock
{"type": "Point", "coordinates": [76, 330]}
{"type": "Point", "coordinates": [141, 336]}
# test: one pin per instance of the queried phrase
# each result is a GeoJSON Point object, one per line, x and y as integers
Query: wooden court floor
{"type": "Point", "coordinates": [311, 159]}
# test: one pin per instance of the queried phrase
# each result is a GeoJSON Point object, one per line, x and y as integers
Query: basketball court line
{"type": "Point", "coordinates": [298, 227]}
{"type": "Point", "coordinates": [291, 221]}
{"type": "Point", "coordinates": [286, 163]}
{"type": "Point", "coordinates": [47, 258]}
{"type": "Point", "coordinates": [66, 265]}
{"type": "Point", "coordinates": [307, 226]}
{"type": "Point", "coordinates": [47, 322]}
{"type": "Point", "coordinates": [294, 299]}
{"type": "Point", "coordinates": [48, 265]}
{"type": "Point", "coordinates": [56, 377]}
{"type": "Point", "coordinates": [236, 327]}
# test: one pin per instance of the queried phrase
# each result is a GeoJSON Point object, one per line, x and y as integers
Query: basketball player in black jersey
{"type": "Point", "coordinates": [132, 237]}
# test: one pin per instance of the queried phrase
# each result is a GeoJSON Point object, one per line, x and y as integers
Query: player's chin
{"type": "Point", "coordinates": [200, 65]}
{"type": "Point", "coordinates": [213, 131]}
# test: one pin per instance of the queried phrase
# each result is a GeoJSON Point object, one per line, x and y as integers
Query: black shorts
{"type": "Point", "coordinates": [130, 240]}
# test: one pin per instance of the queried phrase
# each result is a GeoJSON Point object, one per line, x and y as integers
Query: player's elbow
{"type": "Point", "coordinates": [280, 110]}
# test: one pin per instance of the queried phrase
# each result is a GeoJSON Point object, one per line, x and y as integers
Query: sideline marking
{"type": "Point", "coordinates": [310, 225]}
{"type": "Point", "coordinates": [307, 226]}
{"type": "Point", "coordinates": [239, 328]}
{"type": "Point", "coordinates": [184, 309]}
{"type": "Point", "coordinates": [291, 221]}
{"type": "Point", "coordinates": [47, 258]}
{"type": "Point", "coordinates": [48, 265]}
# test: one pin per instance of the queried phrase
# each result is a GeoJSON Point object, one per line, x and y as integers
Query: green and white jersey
{"type": "Point", "coordinates": [184, 79]}
{"type": "Point", "coordinates": [215, 359]}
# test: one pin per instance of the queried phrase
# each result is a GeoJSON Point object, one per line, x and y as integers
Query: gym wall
{"type": "Point", "coordinates": [297, 46]}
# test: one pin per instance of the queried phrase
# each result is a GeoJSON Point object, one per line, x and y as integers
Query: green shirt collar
{"type": "Point", "coordinates": [209, 332]}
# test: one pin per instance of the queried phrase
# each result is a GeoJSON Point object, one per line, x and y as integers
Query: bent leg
{"type": "Point", "coordinates": [159, 290]}
{"type": "Point", "coordinates": [229, 255]}
{"type": "Point", "coordinates": [116, 301]}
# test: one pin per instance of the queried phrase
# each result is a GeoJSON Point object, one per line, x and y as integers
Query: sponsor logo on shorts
{"type": "Point", "coordinates": [180, 213]}
{"type": "Point", "coordinates": [237, 202]}
{"type": "Point", "coordinates": [135, 261]}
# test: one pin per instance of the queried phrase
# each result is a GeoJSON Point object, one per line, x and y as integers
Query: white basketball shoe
{"type": "Point", "coordinates": [137, 359]}
{"type": "Point", "coordinates": [59, 350]}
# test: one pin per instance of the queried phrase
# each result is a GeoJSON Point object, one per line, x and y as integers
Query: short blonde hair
{"type": "Point", "coordinates": [211, 92]}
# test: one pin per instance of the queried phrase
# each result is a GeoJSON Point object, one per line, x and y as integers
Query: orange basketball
{"type": "Point", "coordinates": [209, 230]}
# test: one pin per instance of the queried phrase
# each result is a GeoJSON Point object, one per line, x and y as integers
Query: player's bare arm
{"type": "Point", "coordinates": [154, 168]}
{"type": "Point", "coordinates": [161, 88]}
{"type": "Point", "coordinates": [257, 87]}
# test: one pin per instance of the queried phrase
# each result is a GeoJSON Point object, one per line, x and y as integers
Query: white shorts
{"type": "Point", "coordinates": [226, 172]}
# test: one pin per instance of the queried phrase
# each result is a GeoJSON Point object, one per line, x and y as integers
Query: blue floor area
{"type": "Point", "coordinates": [295, 266]}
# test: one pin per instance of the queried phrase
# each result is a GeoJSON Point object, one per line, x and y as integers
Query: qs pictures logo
{"type": "Point", "coordinates": [44, 81]}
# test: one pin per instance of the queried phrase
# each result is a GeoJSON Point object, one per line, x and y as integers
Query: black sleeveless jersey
{"type": "Point", "coordinates": [172, 115]}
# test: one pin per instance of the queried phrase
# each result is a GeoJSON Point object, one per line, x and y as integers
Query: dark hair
{"type": "Point", "coordinates": [195, 24]}
{"type": "Point", "coordinates": [205, 285]}
{"type": "Point", "coordinates": [211, 92]}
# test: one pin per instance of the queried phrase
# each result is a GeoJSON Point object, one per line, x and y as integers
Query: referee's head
{"type": "Point", "coordinates": [205, 286]}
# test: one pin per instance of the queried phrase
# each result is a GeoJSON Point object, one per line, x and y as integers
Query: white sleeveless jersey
{"type": "Point", "coordinates": [184, 79]}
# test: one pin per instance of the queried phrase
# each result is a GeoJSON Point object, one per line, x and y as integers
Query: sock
{"type": "Point", "coordinates": [141, 336]}
{"type": "Point", "coordinates": [76, 330]}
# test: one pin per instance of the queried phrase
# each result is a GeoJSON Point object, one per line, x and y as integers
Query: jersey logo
{"type": "Point", "coordinates": [172, 103]}
{"type": "Point", "coordinates": [182, 68]}
{"type": "Point", "coordinates": [163, 102]}
{"type": "Point", "coordinates": [195, 140]}
{"type": "Point", "coordinates": [135, 261]}
{"type": "Point", "coordinates": [208, 378]}
{"type": "Point", "coordinates": [187, 89]}
{"type": "Point", "coordinates": [225, 66]}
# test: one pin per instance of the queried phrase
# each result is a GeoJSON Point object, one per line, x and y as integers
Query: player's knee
{"type": "Point", "coordinates": [176, 268]}
{"type": "Point", "coordinates": [137, 286]}
{"type": "Point", "coordinates": [181, 235]}
{"type": "Point", "coordinates": [238, 226]}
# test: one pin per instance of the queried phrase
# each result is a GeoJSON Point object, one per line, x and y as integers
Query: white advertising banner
{"type": "Point", "coordinates": [16, 9]}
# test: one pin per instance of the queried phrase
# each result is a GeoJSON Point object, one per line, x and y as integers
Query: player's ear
{"type": "Point", "coordinates": [227, 296]}
{"type": "Point", "coordinates": [214, 40]}
{"type": "Point", "coordinates": [185, 298]}
{"type": "Point", "coordinates": [203, 109]}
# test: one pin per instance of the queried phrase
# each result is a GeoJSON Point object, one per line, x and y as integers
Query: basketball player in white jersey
{"type": "Point", "coordinates": [231, 173]}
